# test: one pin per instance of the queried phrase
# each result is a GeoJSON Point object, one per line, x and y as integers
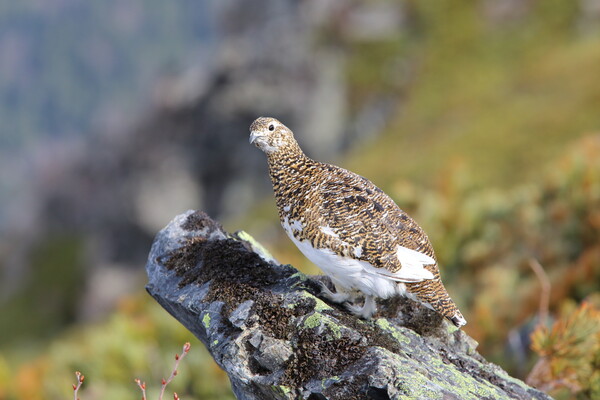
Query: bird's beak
{"type": "Point", "coordinates": [254, 135]}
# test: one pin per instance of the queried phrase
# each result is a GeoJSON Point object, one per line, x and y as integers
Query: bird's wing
{"type": "Point", "coordinates": [373, 228]}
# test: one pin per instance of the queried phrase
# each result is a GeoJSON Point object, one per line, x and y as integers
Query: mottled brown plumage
{"type": "Point", "coordinates": [350, 228]}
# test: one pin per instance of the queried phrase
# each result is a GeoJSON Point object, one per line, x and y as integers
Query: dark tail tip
{"type": "Point", "coordinates": [458, 320]}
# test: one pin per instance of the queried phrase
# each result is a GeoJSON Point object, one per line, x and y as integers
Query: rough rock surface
{"type": "Point", "coordinates": [265, 326]}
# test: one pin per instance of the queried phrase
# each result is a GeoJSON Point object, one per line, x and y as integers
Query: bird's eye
{"type": "Point", "coordinates": [271, 127]}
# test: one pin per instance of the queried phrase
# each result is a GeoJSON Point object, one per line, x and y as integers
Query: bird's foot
{"type": "Point", "coordinates": [366, 311]}
{"type": "Point", "coordinates": [336, 297]}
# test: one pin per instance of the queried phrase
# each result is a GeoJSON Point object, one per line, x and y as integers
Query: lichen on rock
{"type": "Point", "coordinates": [266, 326]}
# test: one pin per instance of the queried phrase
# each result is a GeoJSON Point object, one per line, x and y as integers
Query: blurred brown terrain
{"type": "Point", "coordinates": [479, 118]}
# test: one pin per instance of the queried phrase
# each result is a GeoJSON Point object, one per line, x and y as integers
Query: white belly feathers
{"type": "Point", "coordinates": [355, 274]}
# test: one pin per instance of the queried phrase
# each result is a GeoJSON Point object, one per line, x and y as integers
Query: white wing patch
{"type": "Point", "coordinates": [413, 266]}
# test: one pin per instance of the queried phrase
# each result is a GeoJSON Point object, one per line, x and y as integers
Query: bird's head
{"type": "Point", "coordinates": [270, 135]}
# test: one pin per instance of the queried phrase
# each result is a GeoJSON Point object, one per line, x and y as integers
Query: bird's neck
{"type": "Point", "coordinates": [290, 156]}
{"type": "Point", "coordinates": [289, 171]}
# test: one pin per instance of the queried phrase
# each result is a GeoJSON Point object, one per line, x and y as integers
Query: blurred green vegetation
{"type": "Point", "coordinates": [139, 340]}
{"type": "Point", "coordinates": [59, 268]}
{"type": "Point", "coordinates": [505, 100]}
{"type": "Point", "coordinates": [494, 149]}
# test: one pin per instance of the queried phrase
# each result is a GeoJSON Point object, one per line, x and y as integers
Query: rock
{"type": "Point", "coordinates": [266, 327]}
{"type": "Point", "coordinates": [271, 353]}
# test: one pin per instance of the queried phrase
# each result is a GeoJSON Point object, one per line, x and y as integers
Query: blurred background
{"type": "Point", "coordinates": [480, 118]}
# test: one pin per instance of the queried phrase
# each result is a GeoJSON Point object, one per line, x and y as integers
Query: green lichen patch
{"type": "Point", "coordinates": [317, 319]}
{"type": "Point", "coordinates": [299, 275]}
{"type": "Point", "coordinates": [476, 379]}
{"type": "Point", "coordinates": [301, 299]}
{"type": "Point", "coordinates": [415, 385]}
{"type": "Point", "coordinates": [383, 324]}
{"type": "Point", "coordinates": [319, 305]}
{"type": "Point", "coordinates": [451, 328]}
{"type": "Point", "coordinates": [329, 381]}
{"type": "Point", "coordinates": [206, 320]}
{"type": "Point", "coordinates": [277, 312]}
{"type": "Point", "coordinates": [279, 391]}
{"type": "Point", "coordinates": [429, 377]}
{"type": "Point", "coordinates": [374, 334]}
{"type": "Point", "coordinates": [394, 331]}
{"type": "Point", "coordinates": [283, 389]}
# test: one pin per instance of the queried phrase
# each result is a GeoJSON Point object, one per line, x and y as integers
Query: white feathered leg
{"type": "Point", "coordinates": [340, 296]}
{"type": "Point", "coordinates": [366, 311]}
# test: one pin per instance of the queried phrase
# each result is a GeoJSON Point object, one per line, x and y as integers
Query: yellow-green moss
{"type": "Point", "coordinates": [206, 320]}
{"type": "Point", "coordinates": [316, 319]}
{"type": "Point", "coordinates": [395, 332]}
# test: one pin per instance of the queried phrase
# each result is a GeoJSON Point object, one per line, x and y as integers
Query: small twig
{"type": "Point", "coordinates": [178, 358]}
{"type": "Point", "coordinates": [80, 379]}
{"type": "Point", "coordinates": [142, 386]}
{"type": "Point", "coordinates": [545, 290]}
{"type": "Point", "coordinates": [165, 382]}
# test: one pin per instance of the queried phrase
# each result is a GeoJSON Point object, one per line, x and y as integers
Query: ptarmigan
{"type": "Point", "coordinates": [350, 229]}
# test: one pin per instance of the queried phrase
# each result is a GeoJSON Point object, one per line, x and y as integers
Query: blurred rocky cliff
{"type": "Point", "coordinates": [98, 202]}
